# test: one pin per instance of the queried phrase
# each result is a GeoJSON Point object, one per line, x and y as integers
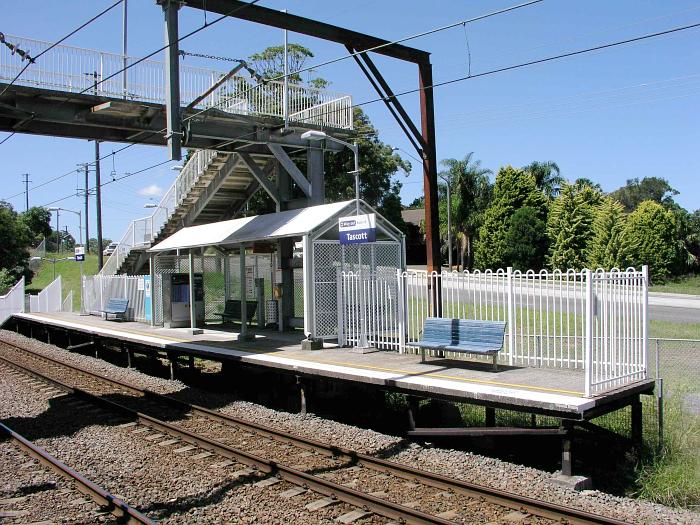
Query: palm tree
{"type": "Point", "coordinates": [547, 177]}
{"type": "Point", "coordinates": [471, 192]}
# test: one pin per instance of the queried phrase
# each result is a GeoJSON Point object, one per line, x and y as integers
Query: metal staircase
{"type": "Point", "coordinates": [212, 186]}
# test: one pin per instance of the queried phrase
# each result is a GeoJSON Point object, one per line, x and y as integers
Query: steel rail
{"type": "Point", "coordinates": [495, 496]}
{"type": "Point", "coordinates": [342, 493]}
{"type": "Point", "coordinates": [116, 506]}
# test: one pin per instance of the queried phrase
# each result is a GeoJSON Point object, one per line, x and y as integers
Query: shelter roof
{"type": "Point", "coordinates": [292, 223]}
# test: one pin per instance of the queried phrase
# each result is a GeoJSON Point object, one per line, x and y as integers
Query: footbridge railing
{"type": "Point", "coordinates": [74, 69]}
{"type": "Point", "coordinates": [141, 232]}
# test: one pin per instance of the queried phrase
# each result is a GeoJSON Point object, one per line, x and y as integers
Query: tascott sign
{"type": "Point", "coordinates": [357, 229]}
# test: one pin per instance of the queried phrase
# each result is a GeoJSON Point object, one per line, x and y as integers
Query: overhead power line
{"type": "Point", "coordinates": [519, 66]}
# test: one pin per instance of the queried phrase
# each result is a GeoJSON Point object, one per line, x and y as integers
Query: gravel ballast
{"type": "Point", "coordinates": [185, 486]}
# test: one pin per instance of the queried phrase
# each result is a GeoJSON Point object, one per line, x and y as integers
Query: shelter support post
{"type": "Point", "coordinates": [636, 422]}
{"type": "Point", "coordinates": [244, 295]}
{"type": "Point", "coordinates": [567, 439]}
{"type": "Point", "coordinates": [193, 311]}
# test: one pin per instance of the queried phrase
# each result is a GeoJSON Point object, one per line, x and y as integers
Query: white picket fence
{"type": "Point", "coordinates": [588, 320]}
{"type": "Point", "coordinates": [50, 299]}
{"type": "Point", "coordinates": [99, 289]}
{"type": "Point", "coordinates": [12, 302]}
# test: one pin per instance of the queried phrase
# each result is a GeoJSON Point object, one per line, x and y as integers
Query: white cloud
{"type": "Point", "coordinates": [151, 191]}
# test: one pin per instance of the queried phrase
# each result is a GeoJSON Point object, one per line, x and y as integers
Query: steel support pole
{"type": "Point", "coordinates": [98, 207]}
{"type": "Point", "coordinates": [124, 42]}
{"type": "Point", "coordinates": [193, 310]}
{"type": "Point", "coordinates": [87, 204]}
{"type": "Point", "coordinates": [172, 79]}
{"type": "Point", "coordinates": [449, 225]}
{"type": "Point", "coordinates": [244, 294]}
{"type": "Point", "coordinates": [432, 219]}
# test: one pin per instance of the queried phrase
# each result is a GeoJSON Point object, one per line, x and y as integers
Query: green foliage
{"type": "Point", "coordinates": [269, 63]}
{"type": "Point", "coordinates": [649, 237]}
{"type": "Point", "coordinates": [547, 177]}
{"type": "Point", "coordinates": [514, 188]}
{"type": "Point", "coordinates": [38, 221]}
{"type": "Point", "coordinates": [607, 227]}
{"type": "Point", "coordinates": [15, 238]}
{"type": "Point", "coordinates": [7, 281]}
{"type": "Point", "coordinates": [648, 189]}
{"type": "Point", "coordinates": [470, 194]}
{"type": "Point", "coordinates": [418, 202]}
{"type": "Point", "coordinates": [92, 244]}
{"type": "Point", "coordinates": [569, 226]}
{"type": "Point", "coordinates": [526, 240]}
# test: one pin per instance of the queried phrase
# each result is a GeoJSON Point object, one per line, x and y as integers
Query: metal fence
{"type": "Point", "coordinates": [12, 302]}
{"type": "Point", "coordinates": [222, 280]}
{"type": "Point", "coordinates": [595, 321]}
{"type": "Point", "coordinates": [99, 289]}
{"type": "Point", "coordinates": [73, 69]}
{"type": "Point", "coordinates": [50, 299]}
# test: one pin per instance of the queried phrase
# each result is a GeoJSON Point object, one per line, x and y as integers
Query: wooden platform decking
{"type": "Point", "coordinates": [545, 391]}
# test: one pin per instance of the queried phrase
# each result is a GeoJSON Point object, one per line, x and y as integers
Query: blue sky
{"type": "Point", "coordinates": [609, 116]}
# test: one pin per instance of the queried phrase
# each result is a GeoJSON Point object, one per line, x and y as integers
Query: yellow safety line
{"type": "Point", "coordinates": [361, 366]}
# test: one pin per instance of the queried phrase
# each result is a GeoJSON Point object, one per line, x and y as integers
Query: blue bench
{"type": "Point", "coordinates": [116, 307]}
{"type": "Point", "coordinates": [462, 335]}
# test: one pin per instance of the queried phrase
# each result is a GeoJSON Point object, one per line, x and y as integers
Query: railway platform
{"type": "Point", "coordinates": [545, 391]}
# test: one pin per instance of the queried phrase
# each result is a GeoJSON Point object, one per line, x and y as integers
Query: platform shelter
{"type": "Point", "coordinates": [210, 266]}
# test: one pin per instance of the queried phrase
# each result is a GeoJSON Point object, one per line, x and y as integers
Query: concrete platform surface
{"type": "Point", "coordinates": [544, 390]}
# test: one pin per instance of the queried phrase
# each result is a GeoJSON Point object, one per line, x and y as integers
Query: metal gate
{"type": "Point", "coordinates": [330, 259]}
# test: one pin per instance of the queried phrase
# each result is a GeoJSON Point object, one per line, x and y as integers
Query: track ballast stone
{"type": "Point", "coordinates": [461, 465]}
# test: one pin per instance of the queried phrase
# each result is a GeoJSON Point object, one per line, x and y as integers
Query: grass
{"type": "Point", "coordinates": [686, 284]}
{"type": "Point", "coordinates": [671, 475]}
{"type": "Point", "coordinates": [69, 272]}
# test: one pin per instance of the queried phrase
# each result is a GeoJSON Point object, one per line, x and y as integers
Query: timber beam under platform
{"type": "Point", "coordinates": [40, 111]}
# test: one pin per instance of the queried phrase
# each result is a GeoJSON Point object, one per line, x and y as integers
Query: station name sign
{"type": "Point", "coordinates": [358, 229]}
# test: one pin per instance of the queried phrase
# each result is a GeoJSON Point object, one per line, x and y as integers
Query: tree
{"type": "Point", "coordinates": [15, 238]}
{"type": "Point", "coordinates": [648, 189]}
{"type": "Point", "coordinates": [93, 244]}
{"type": "Point", "coordinates": [569, 226]}
{"type": "Point", "coordinates": [513, 189]}
{"type": "Point", "coordinates": [7, 281]}
{"type": "Point", "coordinates": [608, 225]}
{"type": "Point", "coordinates": [470, 194]}
{"type": "Point", "coordinates": [269, 63]}
{"type": "Point", "coordinates": [649, 237]}
{"type": "Point", "coordinates": [526, 240]}
{"type": "Point", "coordinates": [547, 177]}
{"type": "Point", "coordinates": [38, 221]}
{"type": "Point", "coordinates": [418, 202]}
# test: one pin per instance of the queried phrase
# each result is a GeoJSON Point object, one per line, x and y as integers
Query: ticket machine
{"type": "Point", "coordinates": [176, 295]}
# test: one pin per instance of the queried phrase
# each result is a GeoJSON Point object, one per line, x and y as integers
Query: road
{"type": "Point", "coordinates": [669, 307]}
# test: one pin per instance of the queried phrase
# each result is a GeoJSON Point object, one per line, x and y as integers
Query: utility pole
{"type": "Point", "coordinates": [26, 190]}
{"type": "Point", "coordinates": [285, 95]}
{"type": "Point", "coordinates": [58, 231]}
{"type": "Point", "coordinates": [87, 206]}
{"type": "Point", "coordinates": [98, 206]}
{"type": "Point", "coordinates": [448, 182]}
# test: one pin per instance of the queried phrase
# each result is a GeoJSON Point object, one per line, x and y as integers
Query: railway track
{"type": "Point", "coordinates": [104, 499]}
{"type": "Point", "coordinates": [371, 484]}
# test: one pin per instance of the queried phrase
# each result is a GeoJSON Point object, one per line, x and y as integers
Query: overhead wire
{"type": "Point", "coordinates": [470, 76]}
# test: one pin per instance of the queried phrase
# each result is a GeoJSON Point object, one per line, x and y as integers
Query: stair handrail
{"type": "Point", "coordinates": [141, 232]}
